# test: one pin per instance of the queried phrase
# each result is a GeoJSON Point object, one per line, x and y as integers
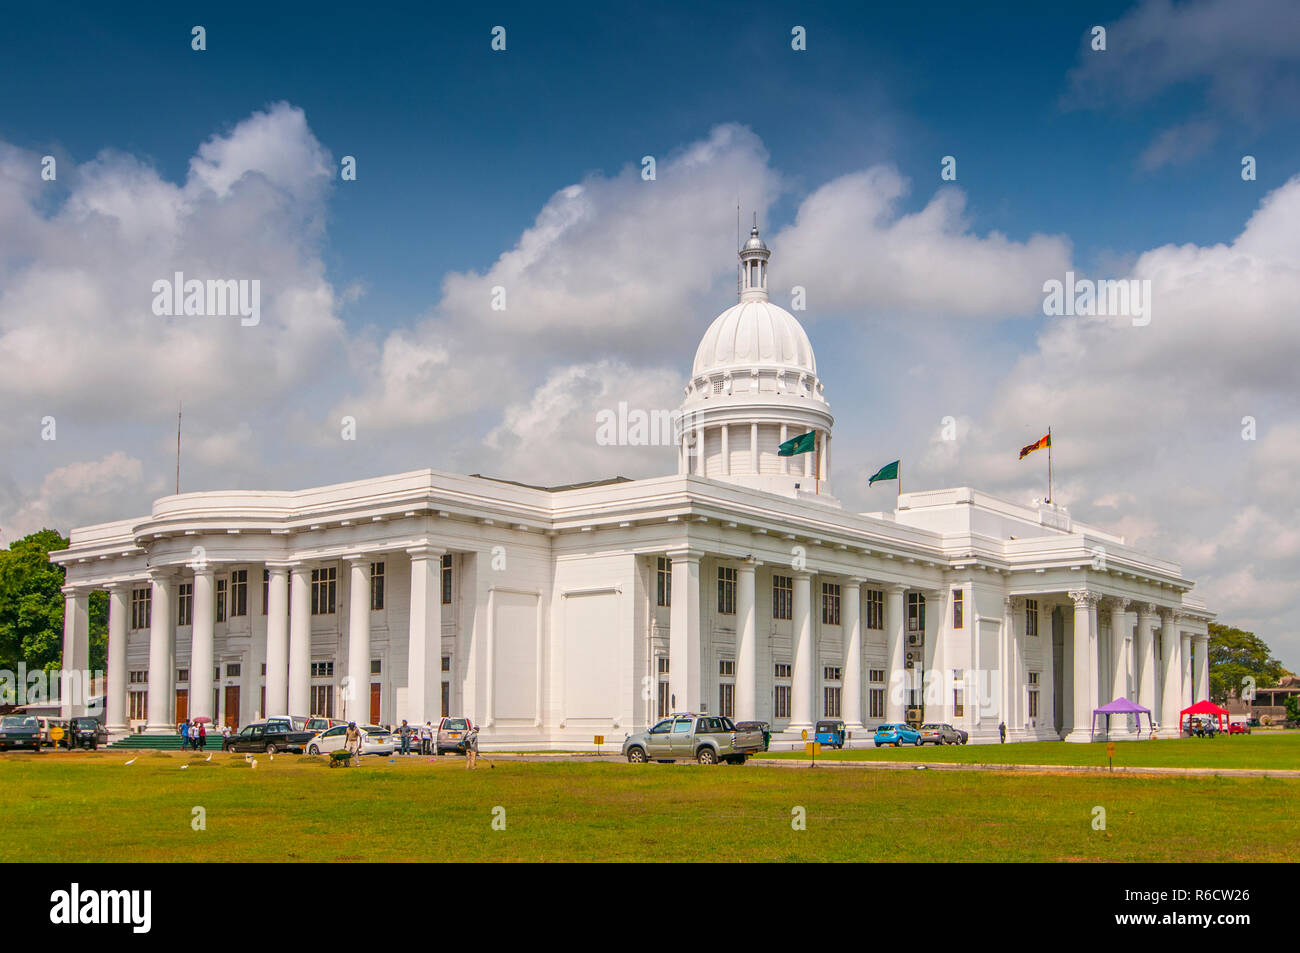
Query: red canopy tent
{"type": "Point", "coordinates": [1205, 707]}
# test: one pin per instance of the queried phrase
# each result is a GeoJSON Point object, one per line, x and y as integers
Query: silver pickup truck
{"type": "Point", "coordinates": [707, 739]}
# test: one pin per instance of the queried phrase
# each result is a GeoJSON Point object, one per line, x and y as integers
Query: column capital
{"type": "Point", "coordinates": [855, 581]}
{"type": "Point", "coordinates": [1116, 603]}
{"type": "Point", "coordinates": [1167, 614]}
{"type": "Point", "coordinates": [279, 568]}
{"type": "Point", "coordinates": [897, 587]}
{"type": "Point", "coordinates": [425, 550]}
{"type": "Point", "coordinates": [1084, 598]}
{"type": "Point", "coordinates": [686, 555]}
{"type": "Point", "coordinates": [162, 573]}
{"type": "Point", "coordinates": [747, 566]}
{"type": "Point", "coordinates": [75, 590]}
{"type": "Point", "coordinates": [1145, 610]}
{"type": "Point", "coordinates": [1012, 603]}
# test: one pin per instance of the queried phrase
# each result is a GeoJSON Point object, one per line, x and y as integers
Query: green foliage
{"type": "Point", "coordinates": [1293, 708]}
{"type": "Point", "coordinates": [1236, 654]}
{"type": "Point", "coordinates": [31, 606]}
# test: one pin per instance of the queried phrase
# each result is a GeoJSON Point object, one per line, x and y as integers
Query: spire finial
{"type": "Point", "coordinates": [753, 266]}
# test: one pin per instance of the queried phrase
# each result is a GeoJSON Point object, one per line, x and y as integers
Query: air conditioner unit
{"type": "Point", "coordinates": [910, 663]}
{"type": "Point", "coordinates": [913, 714]}
{"type": "Point", "coordinates": [913, 639]}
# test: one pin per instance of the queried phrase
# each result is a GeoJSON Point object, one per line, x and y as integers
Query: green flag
{"type": "Point", "coordinates": [804, 443]}
{"type": "Point", "coordinates": [888, 472]}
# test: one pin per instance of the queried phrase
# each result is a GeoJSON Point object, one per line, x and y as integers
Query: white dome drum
{"type": "Point", "coordinates": [753, 386]}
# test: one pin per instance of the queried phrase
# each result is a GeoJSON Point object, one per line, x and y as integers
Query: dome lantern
{"type": "Point", "coordinates": [754, 255]}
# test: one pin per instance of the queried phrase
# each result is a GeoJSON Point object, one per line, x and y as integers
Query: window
{"type": "Point", "coordinates": [376, 586]}
{"type": "Point", "coordinates": [832, 673]}
{"type": "Point", "coordinates": [376, 667]}
{"type": "Point", "coordinates": [185, 604]}
{"type": "Point", "coordinates": [1031, 617]}
{"type": "Point", "coordinates": [324, 590]}
{"type": "Point", "coordinates": [875, 608]}
{"type": "Point", "coordinates": [322, 701]}
{"type": "Point", "coordinates": [781, 670]}
{"type": "Point", "coordinates": [322, 669]}
{"type": "Point", "coordinates": [664, 699]}
{"type": "Point", "coordinates": [830, 603]}
{"type": "Point", "coordinates": [876, 675]}
{"type": "Point", "coordinates": [727, 668]}
{"type": "Point", "coordinates": [831, 701]}
{"type": "Point", "coordinates": [727, 699]}
{"type": "Point", "coordinates": [446, 580]}
{"type": "Point", "coordinates": [233, 670]}
{"type": "Point", "coordinates": [958, 701]}
{"type": "Point", "coordinates": [957, 596]}
{"type": "Point", "coordinates": [446, 663]}
{"type": "Point", "coordinates": [139, 705]}
{"type": "Point", "coordinates": [221, 599]}
{"type": "Point", "coordinates": [141, 602]}
{"type": "Point", "coordinates": [726, 590]}
{"type": "Point", "coordinates": [915, 612]}
{"type": "Point", "coordinates": [182, 675]}
{"type": "Point", "coordinates": [782, 597]}
{"type": "Point", "coordinates": [446, 699]}
{"type": "Point", "coordinates": [266, 588]}
{"type": "Point", "coordinates": [238, 592]}
{"type": "Point", "coordinates": [781, 693]}
{"type": "Point", "coordinates": [1033, 694]}
{"type": "Point", "coordinates": [664, 582]}
{"type": "Point", "coordinates": [139, 677]}
{"type": "Point", "coordinates": [876, 703]}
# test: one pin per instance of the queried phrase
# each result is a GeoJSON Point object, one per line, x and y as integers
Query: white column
{"type": "Point", "coordinates": [684, 632]}
{"type": "Point", "coordinates": [74, 687]}
{"type": "Point", "coordinates": [851, 610]}
{"type": "Point", "coordinates": [784, 461]}
{"type": "Point", "coordinates": [162, 687]}
{"type": "Point", "coordinates": [801, 706]}
{"type": "Point", "coordinates": [1145, 674]}
{"type": "Point", "coordinates": [1084, 658]}
{"type": "Point", "coordinates": [277, 643]}
{"type": "Point", "coordinates": [746, 645]}
{"type": "Point", "coordinates": [115, 696]}
{"type": "Point", "coordinates": [1047, 674]}
{"type": "Point", "coordinates": [1119, 635]}
{"type": "Point", "coordinates": [1171, 674]}
{"type": "Point", "coordinates": [356, 690]}
{"type": "Point", "coordinates": [896, 626]}
{"type": "Point", "coordinates": [1185, 669]}
{"type": "Point", "coordinates": [299, 643]}
{"type": "Point", "coordinates": [699, 451]}
{"type": "Point", "coordinates": [1201, 683]}
{"type": "Point", "coordinates": [1008, 675]}
{"type": "Point", "coordinates": [725, 470]}
{"type": "Point", "coordinates": [424, 648]}
{"type": "Point", "coordinates": [753, 441]}
{"type": "Point", "coordinates": [201, 658]}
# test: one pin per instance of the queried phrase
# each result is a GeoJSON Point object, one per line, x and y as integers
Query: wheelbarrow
{"type": "Point", "coordinates": [340, 759]}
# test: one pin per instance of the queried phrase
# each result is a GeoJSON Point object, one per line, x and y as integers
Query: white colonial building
{"type": "Point", "coordinates": [550, 615]}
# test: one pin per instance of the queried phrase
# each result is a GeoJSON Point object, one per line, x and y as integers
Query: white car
{"type": "Point", "coordinates": [374, 740]}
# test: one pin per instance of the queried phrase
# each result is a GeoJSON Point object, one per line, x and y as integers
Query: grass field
{"type": "Point", "coordinates": [1257, 750]}
{"type": "Point", "coordinates": [94, 807]}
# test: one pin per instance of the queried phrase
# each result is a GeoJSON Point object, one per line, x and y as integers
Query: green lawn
{"type": "Point", "coordinates": [1258, 750]}
{"type": "Point", "coordinates": [94, 807]}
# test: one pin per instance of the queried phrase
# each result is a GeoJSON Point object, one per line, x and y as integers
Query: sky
{"type": "Point", "coordinates": [522, 169]}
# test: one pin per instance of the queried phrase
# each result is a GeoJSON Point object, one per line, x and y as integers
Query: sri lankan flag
{"type": "Point", "coordinates": [1038, 444]}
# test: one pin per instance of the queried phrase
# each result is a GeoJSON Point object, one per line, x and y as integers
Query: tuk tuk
{"type": "Point", "coordinates": [831, 733]}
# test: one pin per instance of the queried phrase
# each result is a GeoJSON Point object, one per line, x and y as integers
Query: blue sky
{"type": "Point", "coordinates": [521, 168]}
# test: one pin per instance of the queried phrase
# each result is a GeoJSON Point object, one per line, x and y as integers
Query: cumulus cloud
{"type": "Point", "coordinates": [79, 493]}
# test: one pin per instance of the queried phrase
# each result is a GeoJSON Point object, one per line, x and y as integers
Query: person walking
{"type": "Point", "coordinates": [185, 736]}
{"type": "Point", "coordinates": [424, 738]}
{"type": "Point", "coordinates": [352, 742]}
{"type": "Point", "coordinates": [405, 734]}
{"type": "Point", "coordinates": [1002, 732]}
{"type": "Point", "coordinates": [203, 737]}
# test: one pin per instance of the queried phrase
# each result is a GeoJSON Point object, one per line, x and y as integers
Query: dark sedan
{"type": "Point", "coordinates": [20, 733]}
{"type": "Point", "coordinates": [85, 732]}
{"type": "Point", "coordinates": [271, 738]}
{"type": "Point", "coordinates": [762, 726]}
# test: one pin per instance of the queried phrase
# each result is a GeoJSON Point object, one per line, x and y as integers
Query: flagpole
{"type": "Point", "coordinates": [178, 447]}
{"type": "Point", "coordinates": [817, 463]}
{"type": "Point", "coordinates": [1049, 464]}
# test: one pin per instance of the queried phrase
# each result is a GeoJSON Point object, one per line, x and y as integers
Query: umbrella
{"type": "Point", "coordinates": [203, 718]}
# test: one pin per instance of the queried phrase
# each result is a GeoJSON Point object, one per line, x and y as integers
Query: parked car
{"type": "Point", "coordinates": [830, 733]}
{"type": "Point", "coordinates": [295, 722]}
{"type": "Point", "coordinates": [20, 733]}
{"type": "Point", "coordinates": [1202, 726]}
{"type": "Point", "coordinates": [897, 734]}
{"type": "Point", "coordinates": [322, 724]}
{"type": "Point", "coordinates": [269, 736]}
{"type": "Point", "coordinates": [762, 726]}
{"type": "Point", "coordinates": [707, 739]}
{"type": "Point", "coordinates": [452, 735]}
{"type": "Point", "coordinates": [1238, 728]}
{"type": "Point", "coordinates": [963, 735]}
{"type": "Point", "coordinates": [939, 734]}
{"type": "Point", "coordinates": [374, 740]}
{"type": "Point", "coordinates": [86, 732]}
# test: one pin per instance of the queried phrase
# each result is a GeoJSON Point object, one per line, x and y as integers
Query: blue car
{"type": "Point", "coordinates": [897, 735]}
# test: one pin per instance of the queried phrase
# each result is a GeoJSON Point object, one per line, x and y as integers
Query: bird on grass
{"type": "Point", "coordinates": [184, 766]}
{"type": "Point", "coordinates": [209, 758]}
{"type": "Point", "coordinates": [132, 761]}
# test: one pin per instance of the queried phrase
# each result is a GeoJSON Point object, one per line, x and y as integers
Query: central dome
{"type": "Point", "coordinates": [755, 333]}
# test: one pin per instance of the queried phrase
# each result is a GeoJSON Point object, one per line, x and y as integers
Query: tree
{"type": "Point", "coordinates": [31, 606]}
{"type": "Point", "coordinates": [1236, 655]}
{"type": "Point", "coordinates": [1293, 708]}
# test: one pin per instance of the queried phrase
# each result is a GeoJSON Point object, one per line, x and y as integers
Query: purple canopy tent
{"type": "Point", "coordinates": [1122, 706]}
